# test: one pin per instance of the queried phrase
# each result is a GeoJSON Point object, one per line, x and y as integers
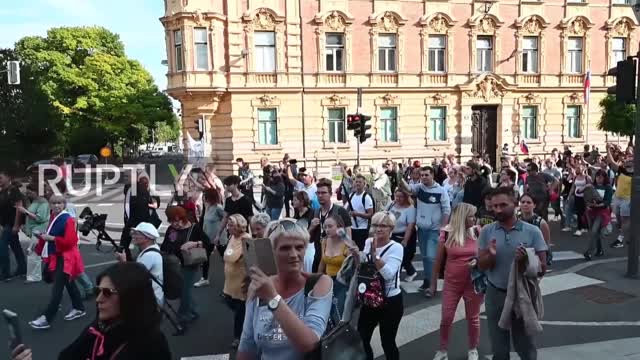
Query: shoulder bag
{"type": "Point", "coordinates": [342, 341]}
{"type": "Point", "coordinates": [194, 256]}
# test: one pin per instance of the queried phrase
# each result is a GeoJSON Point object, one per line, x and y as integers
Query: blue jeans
{"type": "Point", "coordinates": [10, 240]}
{"type": "Point", "coordinates": [187, 310]}
{"type": "Point", "coordinates": [568, 213]}
{"type": "Point", "coordinates": [85, 285]}
{"type": "Point", "coordinates": [428, 240]}
{"type": "Point", "coordinates": [274, 213]}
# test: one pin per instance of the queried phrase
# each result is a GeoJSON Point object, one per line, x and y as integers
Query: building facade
{"type": "Point", "coordinates": [271, 77]}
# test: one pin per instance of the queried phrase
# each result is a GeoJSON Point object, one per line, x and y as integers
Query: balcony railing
{"type": "Point", "coordinates": [331, 79]}
{"type": "Point", "coordinates": [529, 79]}
{"type": "Point", "coordinates": [574, 79]}
{"type": "Point", "coordinates": [435, 79]}
{"type": "Point", "coordinates": [383, 79]}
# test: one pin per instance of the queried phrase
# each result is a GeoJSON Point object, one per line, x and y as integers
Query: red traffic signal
{"type": "Point", "coordinates": [353, 121]}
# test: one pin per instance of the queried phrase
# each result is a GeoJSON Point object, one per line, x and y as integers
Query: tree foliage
{"type": "Point", "coordinates": [617, 118]}
{"type": "Point", "coordinates": [29, 125]}
{"type": "Point", "coordinates": [98, 92]}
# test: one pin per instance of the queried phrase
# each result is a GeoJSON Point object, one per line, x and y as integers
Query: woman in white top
{"type": "Point", "coordinates": [387, 257]}
{"type": "Point", "coordinates": [577, 191]}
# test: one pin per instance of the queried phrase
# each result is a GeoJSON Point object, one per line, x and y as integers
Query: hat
{"type": "Point", "coordinates": [147, 230]}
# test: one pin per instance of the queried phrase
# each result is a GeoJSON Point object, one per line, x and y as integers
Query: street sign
{"type": "Point", "coordinates": [105, 152]}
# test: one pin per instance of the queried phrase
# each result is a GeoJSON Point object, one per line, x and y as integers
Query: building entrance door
{"type": "Point", "coordinates": [484, 129]}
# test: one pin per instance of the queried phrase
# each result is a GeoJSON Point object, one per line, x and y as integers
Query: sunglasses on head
{"type": "Point", "coordinates": [106, 292]}
{"type": "Point", "coordinates": [285, 224]}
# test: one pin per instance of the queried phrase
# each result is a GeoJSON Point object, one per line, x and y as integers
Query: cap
{"type": "Point", "coordinates": [147, 230]}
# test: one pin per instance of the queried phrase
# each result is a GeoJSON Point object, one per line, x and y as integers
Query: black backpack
{"type": "Point", "coordinates": [364, 195]}
{"type": "Point", "coordinates": [172, 275]}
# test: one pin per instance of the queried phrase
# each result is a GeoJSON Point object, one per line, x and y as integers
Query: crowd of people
{"type": "Point", "coordinates": [484, 232]}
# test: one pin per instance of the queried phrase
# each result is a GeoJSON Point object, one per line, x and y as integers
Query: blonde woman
{"type": "Point", "coordinates": [235, 273]}
{"type": "Point", "coordinates": [458, 247]}
{"type": "Point", "coordinates": [282, 322]}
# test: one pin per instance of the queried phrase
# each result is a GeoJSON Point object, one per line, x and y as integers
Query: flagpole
{"type": "Point", "coordinates": [588, 100]}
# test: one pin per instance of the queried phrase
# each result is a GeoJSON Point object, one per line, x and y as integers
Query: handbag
{"type": "Point", "coordinates": [194, 256]}
{"type": "Point", "coordinates": [371, 284]}
{"type": "Point", "coordinates": [341, 342]}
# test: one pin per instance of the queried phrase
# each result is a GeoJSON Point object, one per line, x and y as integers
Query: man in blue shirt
{"type": "Point", "coordinates": [499, 245]}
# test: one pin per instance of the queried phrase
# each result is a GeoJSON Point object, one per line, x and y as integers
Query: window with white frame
{"type": "Point", "coordinates": [529, 122]}
{"type": "Point", "coordinates": [265, 51]}
{"type": "Point", "coordinates": [268, 126]}
{"type": "Point", "coordinates": [387, 44]}
{"type": "Point", "coordinates": [336, 125]}
{"type": "Point", "coordinates": [574, 56]}
{"type": "Point", "coordinates": [530, 54]}
{"type": "Point", "coordinates": [437, 53]}
{"type": "Point", "coordinates": [201, 45]}
{"type": "Point", "coordinates": [619, 49]}
{"type": "Point", "coordinates": [573, 121]}
{"type": "Point", "coordinates": [178, 50]}
{"type": "Point", "coordinates": [334, 51]}
{"type": "Point", "coordinates": [389, 124]}
{"type": "Point", "coordinates": [484, 51]}
{"type": "Point", "coordinates": [438, 123]}
{"type": "Point", "coordinates": [622, 2]}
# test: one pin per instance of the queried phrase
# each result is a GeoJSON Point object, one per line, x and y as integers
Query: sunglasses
{"type": "Point", "coordinates": [285, 224]}
{"type": "Point", "coordinates": [106, 292]}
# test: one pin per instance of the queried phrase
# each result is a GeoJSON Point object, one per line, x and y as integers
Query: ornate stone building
{"type": "Point", "coordinates": [279, 76]}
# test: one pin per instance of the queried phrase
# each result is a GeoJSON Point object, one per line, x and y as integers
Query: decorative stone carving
{"type": "Point", "coordinates": [530, 97]}
{"type": "Point", "coordinates": [438, 98]}
{"type": "Point", "coordinates": [532, 26]}
{"type": "Point", "coordinates": [388, 23]}
{"type": "Point", "coordinates": [622, 28]}
{"type": "Point", "coordinates": [335, 22]}
{"type": "Point", "coordinates": [199, 17]}
{"type": "Point", "coordinates": [266, 100]}
{"type": "Point", "coordinates": [336, 99]}
{"type": "Point", "coordinates": [578, 27]}
{"type": "Point", "coordinates": [438, 24]}
{"type": "Point", "coordinates": [263, 20]}
{"type": "Point", "coordinates": [487, 25]}
{"type": "Point", "coordinates": [488, 88]}
{"type": "Point", "coordinates": [574, 97]}
{"type": "Point", "coordinates": [389, 99]}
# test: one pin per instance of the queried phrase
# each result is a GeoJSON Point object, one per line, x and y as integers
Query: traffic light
{"type": "Point", "coordinates": [625, 88]}
{"type": "Point", "coordinates": [364, 127]}
{"type": "Point", "coordinates": [200, 126]}
{"type": "Point", "coordinates": [13, 69]}
{"type": "Point", "coordinates": [353, 121]}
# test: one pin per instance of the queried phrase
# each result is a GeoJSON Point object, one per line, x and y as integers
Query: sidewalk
{"type": "Point", "coordinates": [623, 349]}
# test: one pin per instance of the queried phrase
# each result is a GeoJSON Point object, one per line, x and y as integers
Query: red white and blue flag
{"type": "Point", "coordinates": [587, 86]}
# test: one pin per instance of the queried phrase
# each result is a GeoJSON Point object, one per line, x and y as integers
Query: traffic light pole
{"type": "Point", "coordinates": [634, 236]}
{"type": "Point", "coordinates": [358, 141]}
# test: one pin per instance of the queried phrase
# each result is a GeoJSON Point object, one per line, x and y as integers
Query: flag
{"type": "Point", "coordinates": [524, 148]}
{"type": "Point", "coordinates": [587, 86]}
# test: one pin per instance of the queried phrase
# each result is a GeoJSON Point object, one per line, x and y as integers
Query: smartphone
{"type": "Point", "coordinates": [15, 336]}
{"type": "Point", "coordinates": [258, 253]}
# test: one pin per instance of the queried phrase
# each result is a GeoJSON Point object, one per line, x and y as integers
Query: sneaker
{"type": "Point", "coordinates": [587, 256]}
{"type": "Point", "coordinates": [423, 287]}
{"type": "Point", "coordinates": [473, 354]}
{"type": "Point", "coordinates": [620, 238]}
{"type": "Point", "coordinates": [441, 355]}
{"type": "Point", "coordinates": [566, 229]}
{"type": "Point", "coordinates": [74, 314]}
{"type": "Point", "coordinates": [40, 323]}
{"type": "Point", "coordinates": [617, 244]}
{"type": "Point", "coordinates": [428, 294]}
{"type": "Point", "coordinates": [577, 233]}
{"type": "Point", "coordinates": [600, 253]}
{"type": "Point", "coordinates": [409, 278]}
{"type": "Point", "coordinates": [202, 282]}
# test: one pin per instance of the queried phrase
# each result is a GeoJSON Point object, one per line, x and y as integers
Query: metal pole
{"type": "Point", "coordinates": [634, 236]}
{"type": "Point", "coordinates": [358, 140]}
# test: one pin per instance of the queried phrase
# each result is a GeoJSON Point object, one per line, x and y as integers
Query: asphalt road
{"type": "Point", "coordinates": [575, 315]}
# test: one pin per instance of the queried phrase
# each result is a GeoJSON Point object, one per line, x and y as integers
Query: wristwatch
{"type": "Point", "coordinates": [274, 303]}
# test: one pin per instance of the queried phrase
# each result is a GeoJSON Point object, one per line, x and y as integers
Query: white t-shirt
{"type": "Point", "coordinates": [392, 261]}
{"type": "Point", "coordinates": [356, 202]}
{"type": "Point", "coordinates": [152, 260]}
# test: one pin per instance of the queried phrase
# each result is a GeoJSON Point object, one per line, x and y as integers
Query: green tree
{"type": "Point", "coordinates": [86, 76]}
{"type": "Point", "coordinates": [167, 132]}
{"type": "Point", "coordinates": [617, 118]}
{"type": "Point", "coordinates": [28, 123]}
